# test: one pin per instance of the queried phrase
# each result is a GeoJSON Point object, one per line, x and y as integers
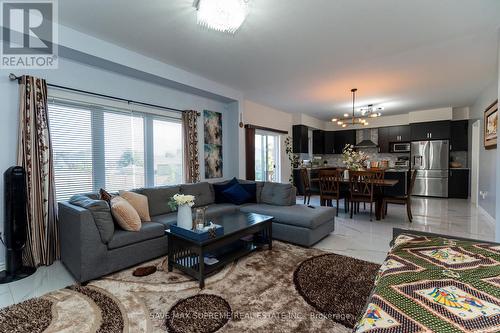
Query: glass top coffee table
{"type": "Point", "coordinates": [243, 234]}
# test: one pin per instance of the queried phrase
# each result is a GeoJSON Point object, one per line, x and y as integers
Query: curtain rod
{"type": "Point", "coordinates": [13, 77]}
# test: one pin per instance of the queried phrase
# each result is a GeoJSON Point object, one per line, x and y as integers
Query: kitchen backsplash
{"type": "Point", "coordinates": [373, 155]}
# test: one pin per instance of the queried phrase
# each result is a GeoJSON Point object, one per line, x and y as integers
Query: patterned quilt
{"type": "Point", "coordinates": [434, 284]}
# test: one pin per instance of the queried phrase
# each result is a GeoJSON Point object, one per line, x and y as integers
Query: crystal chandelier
{"type": "Point", "coordinates": [365, 112]}
{"type": "Point", "coordinates": [222, 15]}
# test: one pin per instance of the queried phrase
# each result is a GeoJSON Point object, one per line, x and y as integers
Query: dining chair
{"type": "Point", "coordinates": [401, 200]}
{"type": "Point", "coordinates": [306, 185]}
{"type": "Point", "coordinates": [379, 175]}
{"type": "Point", "coordinates": [330, 188]}
{"type": "Point", "coordinates": [361, 189]}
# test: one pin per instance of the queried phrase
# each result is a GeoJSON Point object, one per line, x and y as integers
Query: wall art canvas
{"type": "Point", "coordinates": [491, 126]}
{"type": "Point", "coordinates": [212, 122]}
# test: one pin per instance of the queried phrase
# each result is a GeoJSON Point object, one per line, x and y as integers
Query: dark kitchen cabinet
{"type": "Point", "coordinates": [318, 142]}
{"type": "Point", "coordinates": [434, 130]}
{"type": "Point", "coordinates": [384, 139]}
{"type": "Point", "coordinates": [300, 135]}
{"type": "Point", "coordinates": [329, 142]}
{"type": "Point", "coordinates": [343, 138]}
{"type": "Point", "coordinates": [458, 183]}
{"type": "Point", "coordinates": [459, 137]}
{"type": "Point", "coordinates": [387, 135]}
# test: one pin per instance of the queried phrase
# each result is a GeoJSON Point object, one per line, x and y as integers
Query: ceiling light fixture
{"type": "Point", "coordinates": [366, 112]}
{"type": "Point", "coordinates": [222, 15]}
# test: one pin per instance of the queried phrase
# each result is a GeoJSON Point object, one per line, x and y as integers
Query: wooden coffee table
{"type": "Point", "coordinates": [243, 234]}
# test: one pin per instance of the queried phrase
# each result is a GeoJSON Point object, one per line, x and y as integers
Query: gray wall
{"type": "Point", "coordinates": [86, 77]}
{"type": "Point", "coordinates": [487, 158]}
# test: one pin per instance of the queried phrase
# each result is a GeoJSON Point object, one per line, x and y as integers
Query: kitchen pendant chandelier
{"type": "Point", "coordinates": [365, 113]}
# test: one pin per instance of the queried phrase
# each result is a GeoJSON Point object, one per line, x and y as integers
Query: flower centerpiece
{"type": "Point", "coordinates": [353, 160]}
{"type": "Point", "coordinates": [183, 203]}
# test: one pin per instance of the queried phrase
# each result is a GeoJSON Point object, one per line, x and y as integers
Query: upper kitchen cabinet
{"type": "Point", "coordinates": [388, 135]}
{"type": "Point", "coordinates": [399, 133]}
{"type": "Point", "coordinates": [459, 138]}
{"type": "Point", "coordinates": [435, 130]}
{"type": "Point", "coordinates": [318, 142]}
{"type": "Point", "coordinates": [329, 147]}
{"type": "Point", "coordinates": [300, 135]}
{"type": "Point", "coordinates": [343, 138]}
{"type": "Point", "coordinates": [384, 139]}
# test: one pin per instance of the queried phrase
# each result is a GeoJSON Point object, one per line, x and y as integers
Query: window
{"type": "Point", "coordinates": [267, 157]}
{"type": "Point", "coordinates": [102, 145]}
{"type": "Point", "coordinates": [167, 143]}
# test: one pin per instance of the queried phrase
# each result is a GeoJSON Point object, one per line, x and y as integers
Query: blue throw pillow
{"type": "Point", "coordinates": [251, 188]}
{"type": "Point", "coordinates": [219, 188]}
{"type": "Point", "coordinates": [237, 195]}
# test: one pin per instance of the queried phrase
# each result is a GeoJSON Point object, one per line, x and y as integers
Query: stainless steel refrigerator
{"type": "Point", "coordinates": [430, 159]}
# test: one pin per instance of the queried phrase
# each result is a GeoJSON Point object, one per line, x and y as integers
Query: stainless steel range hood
{"type": "Point", "coordinates": [366, 138]}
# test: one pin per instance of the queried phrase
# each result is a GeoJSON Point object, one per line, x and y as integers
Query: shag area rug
{"type": "Point", "coordinates": [288, 289]}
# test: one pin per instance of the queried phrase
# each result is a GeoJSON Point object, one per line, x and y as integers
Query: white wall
{"type": "Point", "coordinates": [261, 115]}
{"type": "Point", "coordinates": [497, 230]}
{"type": "Point", "coordinates": [487, 158]}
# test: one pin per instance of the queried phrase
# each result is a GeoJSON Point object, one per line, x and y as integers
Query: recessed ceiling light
{"type": "Point", "coordinates": [334, 119]}
{"type": "Point", "coordinates": [222, 15]}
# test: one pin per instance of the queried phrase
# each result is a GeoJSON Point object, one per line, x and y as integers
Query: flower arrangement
{"type": "Point", "coordinates": [181, 200]}
{"type": "Point", "coordinates": [353, 160]}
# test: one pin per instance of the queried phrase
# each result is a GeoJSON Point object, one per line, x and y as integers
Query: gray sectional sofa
{"type": "Point", "coordinates": [91, 248]}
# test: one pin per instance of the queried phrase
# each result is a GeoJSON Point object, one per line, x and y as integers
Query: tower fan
{"type": "Point", "coordinates": [15, 225]}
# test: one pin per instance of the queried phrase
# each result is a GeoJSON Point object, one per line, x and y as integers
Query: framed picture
{"type": "Point", "coordinates": [212, 122]}
{"type": "Point", "coordinates": [491, 126]}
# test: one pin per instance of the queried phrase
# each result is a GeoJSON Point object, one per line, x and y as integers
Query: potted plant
{"type": "Point", "coordinates": [292, 158]}
{"type": "Point", "coordinates": [183, 203]}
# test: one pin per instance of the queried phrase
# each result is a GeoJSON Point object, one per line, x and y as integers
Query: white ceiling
{"type": "Point", "coordinates": [306, 55]}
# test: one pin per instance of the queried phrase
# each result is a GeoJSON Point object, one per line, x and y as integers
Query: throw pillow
{"type": "Point", "coordinates": [125, 215]}
{"type": "Point", "coordinates": [277, 194]}
{"type": "Point", "coordinates": [139, 202]}
{"type": "Point", "coordinates": [221, 187]}
{"type": "Point", "coordinates": [100, 212]}
{"type": "Point", "coordinates": [237, 195]}
{"type": "Point", "coordinates": [251, 188]}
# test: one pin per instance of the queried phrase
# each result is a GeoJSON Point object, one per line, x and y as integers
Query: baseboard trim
{"type": "Point", "coordinates": [490, 219]}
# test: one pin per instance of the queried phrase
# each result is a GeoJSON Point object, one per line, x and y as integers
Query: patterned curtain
{"type": "Point", "coordinates": [35, 156]}
{"type": "Point", "coordinates": [190, 131]}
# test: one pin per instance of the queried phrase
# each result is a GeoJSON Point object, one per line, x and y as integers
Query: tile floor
{"type": "Point", "coordinates": [358, 237]}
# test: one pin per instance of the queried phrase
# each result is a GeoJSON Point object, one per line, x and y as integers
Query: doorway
{"type": "Point", "coordinates": [476, 136]}
{"type": "Point", "coordinates": [267, 156]}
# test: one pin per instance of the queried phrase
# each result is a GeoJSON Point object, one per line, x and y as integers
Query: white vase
{"type": "Point", "coordinates": [184, 217]}
{"type": "Point", "coordinates": [346, 174]}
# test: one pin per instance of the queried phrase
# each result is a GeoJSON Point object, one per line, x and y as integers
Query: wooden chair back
{"type": "Point", "coordinates": [306, 184]}
{"type": "Point", "coordinates": [361, 184]}
{"type": "Point", "coordinates": [379, 173]}
{"type": "Point", "coordinates": [329, 182]}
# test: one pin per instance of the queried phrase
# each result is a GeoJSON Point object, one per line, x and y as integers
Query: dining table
{"type": "Point", "coordinates": [380, 183]}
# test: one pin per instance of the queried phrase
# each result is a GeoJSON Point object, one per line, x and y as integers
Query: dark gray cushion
{"type": "Point", "coordinates": [276, 194]}
{"type": "Point", "coordinates": [100, 212]}
{"type": "Point", "coordinates": [298, 215]}
{"type": "Point", "coordinates": [158, 198]}
{"type": "Point", "coordinates": [203, 193]}
{"type": "Point", "coordinates": [219, 209]}
{"type": "Point", "coordinates": [165, 219]}
{"type": "Point", "coordinates": [148, 230]}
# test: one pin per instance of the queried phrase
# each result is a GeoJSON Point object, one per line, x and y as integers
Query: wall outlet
{"type": "Point", "coordinates": [483, 194]}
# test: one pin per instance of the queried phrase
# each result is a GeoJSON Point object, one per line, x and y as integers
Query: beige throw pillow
{"type": "Point", "coordinates": [139, 202]}
{"type": "Point", "coordinates": [125, 215]}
